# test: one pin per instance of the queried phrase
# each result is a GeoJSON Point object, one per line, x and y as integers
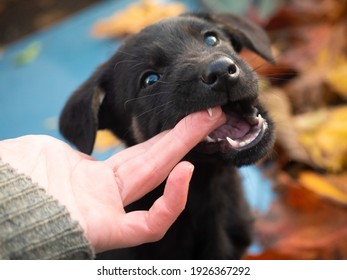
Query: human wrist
{"type": "Point", "coordinates": [33, 225]}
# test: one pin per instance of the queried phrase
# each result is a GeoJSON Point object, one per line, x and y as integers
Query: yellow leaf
{"type": "Point", "coordinates": [337, 79]}
{"type": "Point", "coordinates": [105, 140]}
{"type": "Point", "coordinates": [135, 17]}
{"type": "Point", "coordinates": [332, 186]}
{"type": "Point", "coordinates": [323, 133]}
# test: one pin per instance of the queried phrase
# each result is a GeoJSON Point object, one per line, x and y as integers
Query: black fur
{"type": "Point", "coordinates": [217, 223]}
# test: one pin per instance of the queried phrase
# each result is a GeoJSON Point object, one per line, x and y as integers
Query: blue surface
{"type": "Point", "coordinates": [32, 95]}
{"type": "Point", "coordinates": [258, 188]}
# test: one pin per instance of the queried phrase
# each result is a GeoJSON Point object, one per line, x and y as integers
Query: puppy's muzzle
{"type": "Point", "coordinates": [220, 72]}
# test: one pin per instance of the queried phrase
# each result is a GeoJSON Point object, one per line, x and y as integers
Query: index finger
{"type": "Point", "coordinates": [144, 172]}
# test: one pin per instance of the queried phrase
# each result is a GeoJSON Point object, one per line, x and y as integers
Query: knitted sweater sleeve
{"type": "Point", "coordinates": [33, 225]}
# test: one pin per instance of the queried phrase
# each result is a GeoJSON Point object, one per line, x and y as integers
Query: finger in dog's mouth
{"type": "Point", "coordinates": [243, 129]}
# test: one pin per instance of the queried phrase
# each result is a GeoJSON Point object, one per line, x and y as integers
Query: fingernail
{"type": "Point", "coordinates": [191, 169]}
{"type": "Point", "coordinates": [214, 112]}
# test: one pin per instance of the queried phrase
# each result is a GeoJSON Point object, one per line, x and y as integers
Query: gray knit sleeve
{"type": "Point", "coordinates": [33, 225]}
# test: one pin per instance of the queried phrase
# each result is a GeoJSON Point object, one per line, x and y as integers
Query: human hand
{"type": "Point", "coordinates": [96, 192]}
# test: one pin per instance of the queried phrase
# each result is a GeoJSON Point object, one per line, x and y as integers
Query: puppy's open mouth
{"type": "Point", "coordinates": [243, 129]}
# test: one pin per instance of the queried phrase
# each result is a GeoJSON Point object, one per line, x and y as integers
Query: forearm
{"type": "Point", "coordinates": [33, 225]}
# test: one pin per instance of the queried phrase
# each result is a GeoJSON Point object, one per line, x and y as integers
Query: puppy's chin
{"type": "Point", "coordinates": [243, 139]}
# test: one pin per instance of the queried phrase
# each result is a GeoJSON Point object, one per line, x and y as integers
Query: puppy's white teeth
{"type": "Point", "coordinates": [232, 142]}
{"type": "Point", "coordinates": [210, 112]}
{"type": "Point", "coordinates": [260, 120]}
{"type": "Point", "coordinates": [246, 142]}
{"type": "Point", "coordinates": [209, 139]}
{"type": "Point", "coordinates": [219, 139]}
{"type": "Point", "coordinates": [260, 117]}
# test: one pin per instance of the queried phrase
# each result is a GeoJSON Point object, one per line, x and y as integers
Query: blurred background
{"type": "Point", "coordinates": [299, 193]}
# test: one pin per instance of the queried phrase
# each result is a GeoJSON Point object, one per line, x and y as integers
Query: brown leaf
{"type": "Point", "coordinates": [299, 13]}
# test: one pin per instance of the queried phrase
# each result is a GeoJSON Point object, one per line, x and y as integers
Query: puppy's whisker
{"type": "Point", "coordinates": [129, 131]}
{"type": "Point", "coordinates": [259, 67]}
{"type": "Point", "coordinates": [123, 61]}
{"type": "Point", "coordinates": [275, 79]}
{"type": "Point", "coordinates": [280, 73]}
{"type": "Point", "coordinates": [165, 108]}
{"type": "Point", "coordinates": [136, 65]}
{"type": "Point", "coordinates": [280, 76]}
{"type": "Point", "coordinates": [277, 76]}
{"type": "Point", "coordinates": [164, 82]}
{"type": "Point", "coordinates": [130, 54]}
{"type": "Point", "coordinates": [168, 119]}
{"type": "Point", "coordinates": [154, 109]}
{"type": "Point", "coordinates": [141, 98]}
{"type": "Point", "coordinates": [255, 68]}
{"type": "Point", "coordinates": [279, 68]}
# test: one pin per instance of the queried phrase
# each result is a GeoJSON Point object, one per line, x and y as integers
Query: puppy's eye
{"type": "Point", "coordinates": [150, 79]}
{"type": "Point", "coordinates": [210, 39]}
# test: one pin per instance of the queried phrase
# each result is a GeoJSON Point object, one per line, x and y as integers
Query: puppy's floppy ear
{"type": "Point", "coordinates": [79, 120]}
{"type": "Point", "coordinates": [243, 33]}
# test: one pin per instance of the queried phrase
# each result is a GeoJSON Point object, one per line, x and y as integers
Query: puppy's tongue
{"type": "Point", "coordinates": [234, 128]}
{"type": "Point", "coordinates": [239, 131]}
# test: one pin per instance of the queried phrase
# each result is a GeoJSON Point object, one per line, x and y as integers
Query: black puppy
{"type": "Point", "coordinates": [158, 76]}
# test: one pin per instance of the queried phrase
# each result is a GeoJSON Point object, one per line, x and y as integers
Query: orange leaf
{"type": "Point", "coordinates": [293, 230]}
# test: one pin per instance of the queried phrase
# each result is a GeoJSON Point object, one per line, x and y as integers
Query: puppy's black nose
{"type": "Point", "coordinates": [220, 71]}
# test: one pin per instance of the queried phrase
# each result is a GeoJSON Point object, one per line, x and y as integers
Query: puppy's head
{"type": "Point", "coordinates": [169, 70]}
